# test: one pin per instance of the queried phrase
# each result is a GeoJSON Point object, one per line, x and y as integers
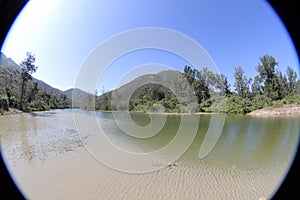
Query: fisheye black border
{"type": "Point", "coordinates": [290, 17]}
{"type": "Point", "coordinates": [9, 10]}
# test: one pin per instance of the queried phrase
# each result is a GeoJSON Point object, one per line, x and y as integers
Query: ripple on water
{"type": "Point", "coordinates": [77, 175]}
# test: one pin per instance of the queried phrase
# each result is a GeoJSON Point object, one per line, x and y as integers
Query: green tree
{"type": "Point", "coordinates": [292, 80]}
{"type": "Point", "coordinates": [268, 77]}
{"type": "Point", "coordinates": [209, 78]}
{"type": "Point", "coordinates": [242, 83]}
{"type": "Point", "coordinates": [27, 68]}
{"type": "Point", "coordinates": [33, 92]}
{"type": "Point", "coordinates": [256, 87]}
{"type": "Point", "coordinates": [222, 84]}
{"type": "Point", "coordinates": [200, 86]}
{"type": "Point", "coordinates": [189, 74]}
{"type": "Point", "coordinates": [199, 82]}
{"type": "Point", "coordinates": [3, 100]}
{"type": "Point", "coordinates": [283, 87]}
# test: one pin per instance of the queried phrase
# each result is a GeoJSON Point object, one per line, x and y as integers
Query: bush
{"type": "Point", "coordinates": [193, 107]}
{"type": "Point", "coordinates": [295, 99]}
{"type": "Point", "coordinates": [234, 105]}
{"type": "Point", "coordinates": [277, 104]}
{"type": "Point", "coordinates": [205, 105]}
{"type": "Point", "coordinates": [3, 104]}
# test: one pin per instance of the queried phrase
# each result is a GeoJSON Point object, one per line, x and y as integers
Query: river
{"type": "Point", "coordinates": [61, 155]}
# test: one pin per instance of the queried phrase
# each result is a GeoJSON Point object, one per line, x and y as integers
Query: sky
{"type": "Point", "coordinates": [62, 34]}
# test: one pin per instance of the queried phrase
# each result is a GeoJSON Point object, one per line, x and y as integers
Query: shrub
{"type": "Point", "coordinates": [295, 99]}
{"type": "Point", "coordinates": [3, 103]}
{"type": "Point", "coordinates": [260, 101]}
{"type": "Point", "coordinates": [234, 105]}
{"type": "Point", "coordinates": [277, 104]}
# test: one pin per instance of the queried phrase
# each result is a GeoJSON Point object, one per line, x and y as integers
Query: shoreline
{"type": "Point", "coordinates": [159, 113]}
{"type": "Point", "coordinates": [11, 111]}
{"type": "Point", "coordinates": [285, 110]}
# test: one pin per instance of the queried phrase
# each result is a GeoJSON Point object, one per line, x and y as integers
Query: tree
{"type": "Point", "coordinates": [189, 74]}
{"type": "Point", "coordinates": [27, 68]}
{"type": "Point", "coordinates": [226, 84]}
{"type": "Point", "coordinates": [256, 87]}
{"type": "Point", "coordinates": [246, 86]}
{"type": "Point", "coordinates": [241, 83]}
{"type": "Point", "coordinates": [283, 87]}
{"type": "Point", "coordinates": [292, 80]}
{"type": "Point", "coordinates": [200, 86]}
{"type": "Point", "coordinates": [222, 84]}
{"type": "Point", "coordinates": [198, 81]}
{"type": "Point", "coordinates": [268, 77]}
{"type": "Point", "coordinates": [238, 84]}
{"type": "Point", "coordinates": [209, 78]}
{"type": "Point", "coordinates": [3, 99]}
{"type": "Point", "coordinates": [33, 92]}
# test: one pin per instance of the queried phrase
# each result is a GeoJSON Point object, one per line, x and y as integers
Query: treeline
{"type": "Point", "coordinates": [269, 88]}
{"type": "Point", "coordinates": [18, 90]}
{"type": "Point", "coordinates": [196, 91]}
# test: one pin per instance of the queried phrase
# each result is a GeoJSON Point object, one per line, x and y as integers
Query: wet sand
{"type": "Point", "coordinates": [77, 175]}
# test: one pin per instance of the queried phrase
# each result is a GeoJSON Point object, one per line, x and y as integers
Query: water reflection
{"type": "Point", "coordinates": [34, 137]}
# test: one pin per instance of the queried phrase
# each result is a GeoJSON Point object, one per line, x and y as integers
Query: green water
{"type": "Point", "coordinates": [244, 141]}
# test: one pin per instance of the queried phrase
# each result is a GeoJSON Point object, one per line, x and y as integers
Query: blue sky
{"type": "Point", "coordinates": [63, 33]}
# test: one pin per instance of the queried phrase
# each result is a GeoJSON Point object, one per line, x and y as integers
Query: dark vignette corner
{"type": "Point", "coordinates": [291, 19]}
{"type": "Point", "coordinates": [9, 10]}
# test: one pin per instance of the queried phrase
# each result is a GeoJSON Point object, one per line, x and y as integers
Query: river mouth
{"type": "Point", "coordinates": [48, 159]}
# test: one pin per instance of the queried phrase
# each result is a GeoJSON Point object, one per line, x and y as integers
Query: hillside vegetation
{"type": "Point", "coordinates": [190, 91]}
{"type": "Point", "coordinates": [206, 91]}
{"type": "Point", "coordinates": [19, 90]}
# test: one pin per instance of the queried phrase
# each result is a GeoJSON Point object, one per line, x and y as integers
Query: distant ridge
{"type": "Point", "coordinates": [81, 98]}
{"type": "Point", "coordinates": [12, 65]}
{"type": "Point", "coordinates": [8, 62]}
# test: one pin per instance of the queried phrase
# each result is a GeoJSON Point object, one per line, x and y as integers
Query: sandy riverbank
{"type": "Point", "coordinates": [11, 111]}
{"type": "Point", "coordinates": [286, 110]}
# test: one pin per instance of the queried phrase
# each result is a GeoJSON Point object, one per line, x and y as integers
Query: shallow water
{"type": "Point", "coordinates": [51, 157]}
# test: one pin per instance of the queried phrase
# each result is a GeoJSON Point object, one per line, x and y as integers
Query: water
{"type": "Point", "coordinates": [249, 160]}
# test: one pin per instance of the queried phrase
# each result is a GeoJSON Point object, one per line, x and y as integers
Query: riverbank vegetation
{"type": "Point", "coordinates": [269, 88]}
{"type": "Point", "coordinates": [197, 90]}
{"type": "Point", "coordinates": [18, 90]}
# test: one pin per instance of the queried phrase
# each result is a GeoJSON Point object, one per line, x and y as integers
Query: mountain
{"type": "Point", "coordinates": [85, 100]}
{"type": "Point", "coordinates": [162, 78]}
{"type": "Point", "coordinates": [8, 68]}
{"type": "Point", "coordinates": [8, 62]}
{"type": "Point", "coordinates": [79, 98]}
{"type": "Point", "coordinates": [144, 91]}
{"type": "Point", "coordinates": [45, 86]}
